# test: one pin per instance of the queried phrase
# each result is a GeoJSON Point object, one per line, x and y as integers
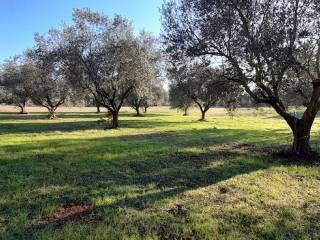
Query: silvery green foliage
{"type": "Point", "coordinates": [202, 83]}
{"type": "Point", "coordinates": [178, 97]}
{"type": "Point", "coordinates": [16, 80]}
{"type": "Point", "coordinates": [143, 94]}
{"type": "Point", "coordinates": [105, 58]}
{"type": "Point", "coordinates": [260, 41]}
{"type": "Point", "coordinates": [50, 87]}
{"type": "Point", "coordinates": [158, 96]}
{"type": "Point", "coordinates": [149, 95]}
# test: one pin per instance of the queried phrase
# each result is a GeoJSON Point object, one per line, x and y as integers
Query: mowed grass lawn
{"type": "Point", "coordinates": [161, 176]}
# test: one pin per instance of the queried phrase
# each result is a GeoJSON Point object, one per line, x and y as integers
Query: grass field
{"type": "Point", "coordinates": [161, 176]}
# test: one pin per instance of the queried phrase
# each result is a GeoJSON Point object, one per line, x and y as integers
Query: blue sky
{"type": "Point", "coordinates": [20, 19]}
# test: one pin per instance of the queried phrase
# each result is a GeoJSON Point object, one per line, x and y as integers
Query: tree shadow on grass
{"type": "Point", "coordinates": [44, 115]}
{"type": "Point", "coordinates": [68, 126]}
{"type": "Point", "coordinates": [62, 126]}
{"type": "Point", "coordinates": [68, 115]}
{"type": "Point", "coordinates": [47, 127]}
{"type": "Point", "coordinates": [136, 143]}
{"type": "Point", "coordinates": [16, 116]}
{"type": "Point", "coordinates": [132, 114]}
{"type": "Point", "coordinates": [135, 170]}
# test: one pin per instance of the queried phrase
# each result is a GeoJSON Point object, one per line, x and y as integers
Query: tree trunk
{"type": "Point", "coordinates": [203, 115]}
{"type": "Point", "coordinates": [145, 109]}
{"type": "Point", "coordinates": [185, 112]}
{"type": "Point", "coordinates": [137, 111]}
{"type": "Point", "coordinates": [300, 127]}
{"type": "Point", "coordinates": [52, 114]}
{"type": "Point", "coordinates": [115, 122]}
{"type": "Point", "coordinates": [98, 108]}
{"type": "Point", "coordinates": [22, 109]}
{"type": "Point", "coordinates": [301, 137]}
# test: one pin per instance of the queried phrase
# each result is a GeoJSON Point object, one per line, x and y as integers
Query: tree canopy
{"type": "Point", "coordinates": [262, 45]}
{"type": "Point", "coordinates": [203, 84]}
{"type": "Point", "coordinates": [16, 79]}
{"type": "Point", "coordinates": [105, 58]}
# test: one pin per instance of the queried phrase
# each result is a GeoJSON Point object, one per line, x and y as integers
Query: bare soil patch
{"type": "Point", "coordinates": [80, 212]}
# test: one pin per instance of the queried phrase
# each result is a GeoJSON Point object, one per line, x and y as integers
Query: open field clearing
{"type": "Point", "coordinates": [161, 176]}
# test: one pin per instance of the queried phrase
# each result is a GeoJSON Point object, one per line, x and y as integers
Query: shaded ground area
{"type": "Point", "coordinates": [163, 176]}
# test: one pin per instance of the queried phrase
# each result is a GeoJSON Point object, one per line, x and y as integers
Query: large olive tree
{"type": "Point", "coordinates": [157, 96]}
{"type": "Point", "coordinates": [49, 86]}
{"type": "Point", "coordinates": [178, 98]}
{"type": "Point", "coordinates": [16, 79]}
{"type": "Point", "coordinates": [143, 93]}
{"type": "Point", "coordinates": [106, 59]}
{"type": "Point", "coordinates": [262, 45]}
{"type": "Point", "coordinates": [150, 95]}
{"type": "Point", "coordinates": [202, 83]}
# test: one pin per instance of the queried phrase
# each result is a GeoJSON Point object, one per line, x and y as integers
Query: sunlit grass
{"type": "Point", "coordinates": [221, 171]}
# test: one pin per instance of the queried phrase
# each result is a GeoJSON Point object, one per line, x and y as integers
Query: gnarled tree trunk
{"type": "Point", "coordinates": [145, 109]}
{"type": "Point", "coordinates": [112, 105]}
{"type": "Point", "coordinates": [301, 128]}
{"type": "Point", "coordinates": [203, 109]}
{"type": "Point", "coordinates": [115, 121]}
{"type": "Point", "coordinates": [52, 114]}
{"type": "Point", "coordinates": [22, 109]}
{"type": "Point", "coordinates": [203, 115]}
{"type": "Point", "coordinates": [98, 108]}
{"type": "Point", "coordinates": [185, 111]}
{"type": "Point", "coordinates": [301, 137]}
{"type": "Point", "coordinates": [137, 111]}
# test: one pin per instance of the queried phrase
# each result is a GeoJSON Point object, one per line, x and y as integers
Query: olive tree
{"type": "Point", "coordinates": [142, 94]}
{"type": "Point", "coordinates": [15, 79]}
{"type": "Point", "coordinates": [145, 97]}
{"type": "Point", "coordinates": [156, 97]}
{"type": "Point", "coordinates": [261, 44]}
{"type": "Point", "coordinates": [106, 59]}
{"type": "Point", "coordinates": [49, 85]}
{"type": "Point", "coordinates": [136, 99]}
{"type": "Point", "coordinates": [178, 98]}
{"type": "Point", "coordinates": [203, 84]}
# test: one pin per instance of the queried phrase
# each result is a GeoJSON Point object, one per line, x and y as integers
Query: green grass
{"type": "Point", "coordinates": [222, 172]}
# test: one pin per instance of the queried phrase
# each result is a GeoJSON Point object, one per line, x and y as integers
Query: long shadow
{"type": "Point", "coordinates": [62, 126]}
{"type": "Point", "coordinates": [66, 126]}
{"type": "Point", "coordinates": [68, 115]}
{"type": "Point", "coordinates": [132, 114]}
{"type": "Point", "coordinates": [53, 126]}
{"type": "Point", "coordinates": [17, 116]}
{"type": "Point", "coordinates": [140, 143]}
{"type": "Point", "coordinates": [102, 167]}
{"type": "Point", "coordinates": [44, 115]}
{"type": "Point", "coordinates": [162, 163]}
